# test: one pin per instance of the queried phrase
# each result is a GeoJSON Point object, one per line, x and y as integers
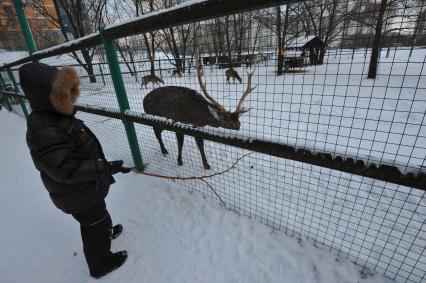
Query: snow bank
{"type": "Point", "coordinates": [171, 235]}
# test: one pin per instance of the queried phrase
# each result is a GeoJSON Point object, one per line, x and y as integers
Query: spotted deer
{"type": "Point", "coordinates": [153, 79]}
{"type": "Point", "coordinates": [186, 105]}
{"type": "Point", "coordinates": [231, 73]}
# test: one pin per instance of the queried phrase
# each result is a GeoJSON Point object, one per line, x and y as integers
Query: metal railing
{"type": "Point", "coordinates": [321, 165]}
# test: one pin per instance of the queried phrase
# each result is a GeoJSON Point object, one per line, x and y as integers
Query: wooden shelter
{"type": "Point", "coordinates": [307, 47]}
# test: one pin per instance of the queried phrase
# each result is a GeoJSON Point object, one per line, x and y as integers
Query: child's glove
{"type": "Point", "coordinates": [117, 166]}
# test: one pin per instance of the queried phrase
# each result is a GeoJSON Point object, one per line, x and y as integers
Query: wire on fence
{"type": "Point", "coordinates": [336, 126]}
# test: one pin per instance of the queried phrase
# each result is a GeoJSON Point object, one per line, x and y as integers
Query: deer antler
{"type": "Point", "coordinates": [203, 85]}
{"type": "Point", "coordinates": [249, 89]}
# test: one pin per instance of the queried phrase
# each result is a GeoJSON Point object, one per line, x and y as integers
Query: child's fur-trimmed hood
{"type": "Point", "coordinates": [48, 88]}
{"type": "Point", "coordinates": [65, 90]}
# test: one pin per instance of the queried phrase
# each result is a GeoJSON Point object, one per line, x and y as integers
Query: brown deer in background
{"type": "Point", "coordinates": [151, 79]}
{"type": "Point", "coordinates": [177, 73]}
{"type": "Point", "coordinates": [231, 73]}
{"type": "Point", "coordinates": [185, 105]}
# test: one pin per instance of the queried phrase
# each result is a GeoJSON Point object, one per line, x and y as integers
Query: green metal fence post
{"type": "Point", "coordinates": [25, 26]}
{"type": "Point", "coordinates": [3, 97]}
{"type": "Point", "coordinates": [15, 86]}
{"type": "Point", "coordinates": [120, 90]}
{"type": "Point", "coordinates": [2, 82]}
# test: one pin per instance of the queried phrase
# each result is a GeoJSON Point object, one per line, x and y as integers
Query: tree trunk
{"type": "Point", "coordinates": [280, 63]}
{"type": "Point", "coordinates": [88, 66]}
{"type": "Point", "coordinates": [420, 22]}
{"type": "Point", "coordinates": [150, 55]}
{"type": "Point", "coordinates": [152, 61]}
{"type": "Point", "coordinates": [372, 70]}
{"type": "Point", "coordinates": [312, 56]}
{"type": "Point", "coordinates": [175, 50]}
{"type": "Point", "coordinates": [228, 41]}
{"type": "Point", "coordinates": [321, 55]}
{"type": "Point", "coordinates": [126, 62]}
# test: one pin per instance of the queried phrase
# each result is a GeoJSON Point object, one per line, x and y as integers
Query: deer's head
{"type": "Point", "coordinates": [226, 118]}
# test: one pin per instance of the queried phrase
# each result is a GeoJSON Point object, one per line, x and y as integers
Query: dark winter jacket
{"type": "Point", "coordinates": [67, 154]}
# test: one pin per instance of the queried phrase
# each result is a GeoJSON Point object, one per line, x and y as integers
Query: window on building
{"type": "Point", "coordinates": [41, 23]}
{"type": "Point", "coordinates": [7, 9]}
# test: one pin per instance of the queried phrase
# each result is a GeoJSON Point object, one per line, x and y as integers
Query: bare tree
{"type": "Point", "coordinates": [236, 33]}
{"type": "Point", "coordinates": [282, 30]}
{"type": "Point", "coordinates": [420, 19]}
{"type": "Point", "coordinates": [280, 44]}
{"type": "Point", "coordinates": [177, 39]}
{"type": "Point", "coordinates": [378, 18]}
{"type": "Point", "coordinates": [322, 18]}
{"type": "Point", "coordinates": [113, 14]}
{"type": "Point", "coordinates": [136, 8]}
{"type": "Point", "coordinates": [418, 15]}
{"type": "Point", "coordinates": [241, 25]}
{"type": "Point", "coordinates": [372, 69]}
{"type": "Point", "coordinates": [217, 29]}
{"type": "Point", "coordinates": [84, 17]}
{"type": "Point", "coordinates": [228, 39]}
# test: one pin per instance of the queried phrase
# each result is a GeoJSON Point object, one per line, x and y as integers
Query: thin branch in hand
{"type": "Point", "coordinates": [201, 178]}
{"type": "Point", "coordinates": [192, 177]}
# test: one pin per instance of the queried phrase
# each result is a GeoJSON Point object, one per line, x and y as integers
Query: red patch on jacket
{"type": "Point", "coordinates": [83, 134]}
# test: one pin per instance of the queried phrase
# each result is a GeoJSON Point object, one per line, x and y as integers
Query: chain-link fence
{"type": "Point", "coordinates": [333, 147]}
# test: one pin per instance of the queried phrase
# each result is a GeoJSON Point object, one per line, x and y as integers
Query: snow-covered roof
{"type": "Point", "coordinates": [300, 41]}
{"type": "Point", "coordinates": [292, 53]}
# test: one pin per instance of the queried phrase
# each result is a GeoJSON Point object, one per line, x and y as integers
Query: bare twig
{"type": "Point", "coordinates": [191, 177]}
{"type": "Point", "coordinates": [211, 187]}
{"type": "Point", "coordinates": [201, 178]}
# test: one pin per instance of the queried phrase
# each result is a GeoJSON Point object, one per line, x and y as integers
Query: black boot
{"type": "Point", "coordinates": [116, 231]}
{"type": "Point", "coordinates": [113, 262]}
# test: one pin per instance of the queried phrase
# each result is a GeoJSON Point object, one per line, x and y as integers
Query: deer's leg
{"type": "Point", "coordinates": [227, 80]}
{"type": "Point", "coordinates": [200, 144]}
{"type": "Point", "coordinates": [180, 139]}
{"type": "Point", "coordinates": [157, 132]}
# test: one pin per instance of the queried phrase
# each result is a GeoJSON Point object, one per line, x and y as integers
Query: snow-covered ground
{"type": "Point", "coordinates": [171, 235]}
{"type": "Point", "coordinates": [8, 57]}
{"type": "Point", "coordinates": [332, 107]}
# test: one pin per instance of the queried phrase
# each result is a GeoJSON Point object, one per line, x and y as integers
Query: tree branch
{"type": "Point", "coordinates": [201, 178]}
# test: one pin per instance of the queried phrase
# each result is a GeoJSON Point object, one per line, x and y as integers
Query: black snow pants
{"type": "Point", "coordinates": [95, 226]}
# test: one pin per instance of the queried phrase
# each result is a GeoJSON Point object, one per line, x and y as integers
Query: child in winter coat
{"type": "Point", "coordinates": [69, 157]}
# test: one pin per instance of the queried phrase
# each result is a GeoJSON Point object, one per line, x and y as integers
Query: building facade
{"type": "Point", "coordinates": [45, 32]}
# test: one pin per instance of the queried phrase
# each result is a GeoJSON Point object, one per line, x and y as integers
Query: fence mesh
{"type": "Point", "coordinates": [323, 101]}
